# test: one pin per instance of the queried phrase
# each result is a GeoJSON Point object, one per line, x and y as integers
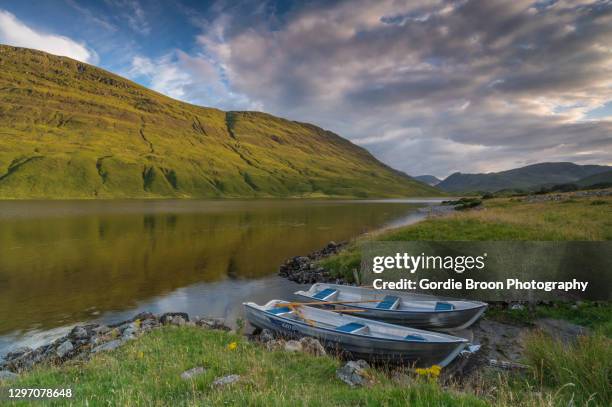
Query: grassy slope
{"type": "Point", "coordinates": [147, 372]}
{"type": "Point", "coordinates": [503, 219]}
{"type": "Point", "coordinates": [71, 130]}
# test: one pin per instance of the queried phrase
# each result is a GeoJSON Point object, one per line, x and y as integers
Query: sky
{"type": "Point", "coordinates": [427, 86]}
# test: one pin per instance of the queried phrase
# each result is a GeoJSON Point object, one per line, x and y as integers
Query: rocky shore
{"type": "Point", "coordinates": [306, 270]}
{"type": "Point", "coordinates": [86, 340]}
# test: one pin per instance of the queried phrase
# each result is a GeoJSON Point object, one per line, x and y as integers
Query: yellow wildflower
{"type": "Point", "coordinates": [232, 346]}
{"type": "Point", "coordinates": [433, 371]}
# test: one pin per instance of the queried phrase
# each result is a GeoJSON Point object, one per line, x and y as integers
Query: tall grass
{"type": "Point", "coordinates": [579, 372]}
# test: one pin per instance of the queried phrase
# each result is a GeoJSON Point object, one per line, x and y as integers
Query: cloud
{"type": "Point", "coordinates": [15, 32]}
{"type": "Point", "coordinates": [135, 15]}
{"type": "Point", "coordinates": [429, 86]}
{"type": "Point", "coordinates": [192, 78]}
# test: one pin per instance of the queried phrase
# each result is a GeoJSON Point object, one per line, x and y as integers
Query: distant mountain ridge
{"type": "Point", "coordinates": [72, 130]}
{"type": "Point", "coordinates": [525, 178]}
{"type": "Point", "coordinates": [428, 179]}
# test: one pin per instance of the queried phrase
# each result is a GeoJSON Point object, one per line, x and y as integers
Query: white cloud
{"type": "Point", "coordinates": [192, 78]}
{"type": "Point", "coordinates": [15, 32]}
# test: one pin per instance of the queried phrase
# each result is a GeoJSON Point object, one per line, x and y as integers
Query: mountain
{"type": "Point", "coordinates": [428, 179]}
{"type": "Point", "coordinates": [529, 177]}
{"type": "Point", "coordinates": [72, 130]}
{"type": "Point", "coordinates": [600, 178]}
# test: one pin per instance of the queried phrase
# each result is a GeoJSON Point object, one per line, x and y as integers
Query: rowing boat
{"type": "Point", "coordinates": [358, 337]}
{"type": "Point", "coordinates": [412, 309]}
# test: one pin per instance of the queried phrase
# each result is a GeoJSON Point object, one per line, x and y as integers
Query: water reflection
{"type": "Point", "coordinates": [63, 262]}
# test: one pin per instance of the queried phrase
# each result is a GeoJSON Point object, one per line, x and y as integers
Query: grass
{"type": "Point", "coordinates": [71, 130]}
{"type": "Point", "coordinates": [147, 372]}
{"type": "Point", "coordinates": [503, 219]}
{"type": "Point", "coordinates": [580, 372]}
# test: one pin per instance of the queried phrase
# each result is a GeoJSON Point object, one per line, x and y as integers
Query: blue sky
{"type": "Point", "coordinates": [428, 86]}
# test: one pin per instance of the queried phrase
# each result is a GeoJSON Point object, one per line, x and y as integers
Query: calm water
{"type": "Point", "coordinates": [64, 262]}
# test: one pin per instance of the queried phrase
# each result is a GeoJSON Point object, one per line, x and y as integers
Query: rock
{"type": "Point", "coordinates": [65, 348]}
{"type": "Point", "coordinates": [560, 329]}
{"type": "Point", "coordinates": [108, 346]}
{"type": "Point", "coordinates": [517, 307]}
{"type": "Point", "coordinates": [293, 346]}
{"type": "Point", "coordinates": [191, 373]}
{"type": "Point", "coordinates": [15, 353]}
{"type": "Point", "coordinates": [78, 332]}
{"type": "Point", "coordinates": [130, 331]}
{"type": "Point", "coordinates": [178, 321]}
{"type": "Point", "coordinates": [312, 346]}
{"type": "Point", "coordinates": [6, 375]}
{"type": "Point", "coordinates": [100, 330]}
{"type": "Point", "coordinates": [266, 336]}
{"type": "Point", "coordinates": [225, 380]}
{"type": "Point", "coordinates": [144, 316]}
{"type": "Point", "coordinates": [275, 344]}
{"type": "Point", "coordinates": [168, 317]}
{"type": "Point", "coordinates": [212, 323]}
{"type": "Point", "coordinates": [354, 373]}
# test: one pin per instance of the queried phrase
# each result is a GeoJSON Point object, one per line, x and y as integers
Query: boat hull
{"type": "Point", "coordinates": [447, 320]}
{"type": "Point", "coordinates": [359, 347]}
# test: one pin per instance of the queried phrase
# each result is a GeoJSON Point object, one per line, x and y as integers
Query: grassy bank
{"type": "Point", "coordinates": [502, 219]}
{"type": "Point", "coordinates": [147, 372]}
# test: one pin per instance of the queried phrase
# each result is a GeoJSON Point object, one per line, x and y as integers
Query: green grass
{"type": "Point", "coordinates": [147, 372]}
{"type": "Point", "coordinates": [580, 372]}
{"type": "Point", "coordinates": [502, 219]}
{"type": "Point", "coordinates": [71, 130]}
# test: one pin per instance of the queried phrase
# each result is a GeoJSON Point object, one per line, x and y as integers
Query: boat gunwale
{"type": "Point", "coordinates": [458, 340]}
{"type": "Point", "coordinates": [477, 305]}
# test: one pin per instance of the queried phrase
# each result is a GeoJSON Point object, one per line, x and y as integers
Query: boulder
{"type": "Point", "coordinates": [225, 380]}
{"type": "Point", "coordinates": [15, 353]}
{"type": "Point", "coordinates": [65, 348]}
{"type": "Point", "coordinates": [108, 346]}
{"type": "Point", "coordinates": [78, 332]}
{"type": "Point", "coordinates": [354, 373]}
{"type": "Point", "coordinates": [266, 336]}
{"type": "Point", "coordinates": [312, 346]}
{"type": "Point", "coordinates": [293, 346]}
{"type": "Point", "coordinates": [191, 373]}
{"type": "Point", "coordinates": [169, 317]}
{"type": "Point", "coordinates": [212, 323]}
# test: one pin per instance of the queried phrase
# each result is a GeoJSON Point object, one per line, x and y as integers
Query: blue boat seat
{"type": "Point", "coordinates": [326, 294]}
{"type": "Point", "coordinates": [444, 306]}
{"type": "Point", "coordinates": [390, 302]}
{"type": "Point", "coordinates": [280, 310]}
{"type": "Point", "coordinates": [418, 338]}
{"type": "Point", "coordinates": [353, 328]}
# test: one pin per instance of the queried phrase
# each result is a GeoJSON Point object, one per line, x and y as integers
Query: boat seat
{"type": "Point", "coordinates": [444, 306]}
{"type": "Point", "coordinates": [390, 302]}
{"type": "Point", "coordinates": [327, 294]}
{"type": "Point", "coordinates": [418, 338]}
{"type": "Point", "coordinates": [280, 310]}
{"type": "Point", "coordinates": [353, 328]}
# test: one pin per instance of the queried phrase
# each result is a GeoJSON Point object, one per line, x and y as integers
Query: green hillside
{"type": "Point", "coordinates": [525, 178]}
{"type": "Point", "coordinates": [71, 130]}
{"type": "Point", "coordinates": [601, 178]}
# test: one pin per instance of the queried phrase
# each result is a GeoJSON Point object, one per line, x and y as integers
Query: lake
{"type": "Point", "coordinates": [66, 262]}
